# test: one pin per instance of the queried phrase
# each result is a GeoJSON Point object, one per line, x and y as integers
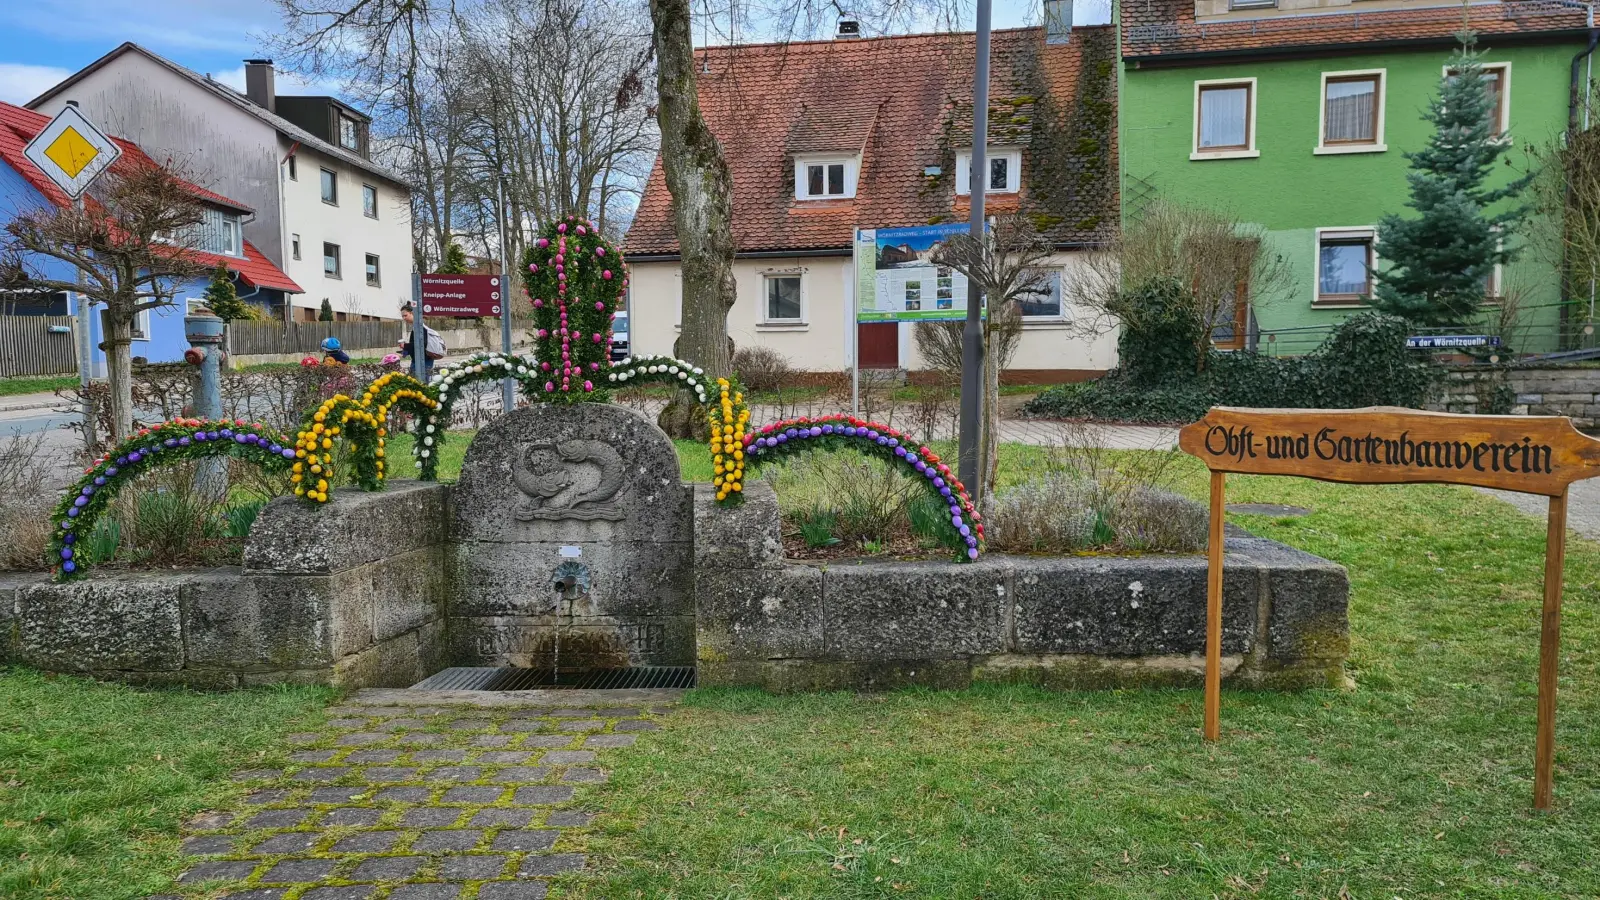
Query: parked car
{"type": "Point", "coordinates": [619, 337]}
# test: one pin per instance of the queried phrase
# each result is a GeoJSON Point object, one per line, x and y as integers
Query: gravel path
{"type": "Point", "coordinates": [415, 802]}
{"type": "Point", "coordinates": [1583, 506]}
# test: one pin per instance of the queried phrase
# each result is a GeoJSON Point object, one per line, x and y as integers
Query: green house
{"type": "Point", "coordinates": [1294, 115]}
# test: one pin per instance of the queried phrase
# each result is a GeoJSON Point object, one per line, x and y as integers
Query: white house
{"type": "Point", "coordinates": [336, 222]}
{"type": "Point", "coordinates": [827, 137]}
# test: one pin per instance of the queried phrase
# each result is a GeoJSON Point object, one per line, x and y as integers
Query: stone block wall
{"type": "Point", "coordinates": [1060, 621]}
{"type": "Point", "coordinates": [351, 594]}
{"type": "Point", "coordinates": [1551, 391]}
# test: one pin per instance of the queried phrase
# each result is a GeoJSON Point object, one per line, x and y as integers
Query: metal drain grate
{"type": "Point", "coordinates": [492, 678]}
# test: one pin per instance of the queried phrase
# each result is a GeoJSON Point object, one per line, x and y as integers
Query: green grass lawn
{"type": "Point", "coordinates": [96, 778]}
{"type": "Point", "coordinates": [1417, 783]}
{"type": "Point", "coordinates": [11, 387]}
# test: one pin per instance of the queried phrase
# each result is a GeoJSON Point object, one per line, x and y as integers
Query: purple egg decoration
{"type": "Point", "coordinates": [68, 566]}
{"type": "Point", "coordinates": [972, 553]}
{"type": "Point", "coordinates": [99, 480]}
{"type": "Point", "coordinates": [287, 453]}
{"type": "Point", "coordinates": [135, 456]}
{"type": "Point", "coordinates": [66, 552]}
{"type": "Point", "coordinates": [70, 539]}
{"type": "Point", "coordinates": [112, 470]}
{"type": "Point", "coordinates": [184, 442]}
{"type": "Point", "coordinates": [81, 501]}
{"type": "Point", "coordinates": [226, 432]}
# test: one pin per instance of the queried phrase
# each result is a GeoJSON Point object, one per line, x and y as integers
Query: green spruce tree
{"type": "Point", "coordinates": [455, 261]}
{"type": "Point", "coordinates": [222, 299]}
{"type": "Point", "coordinates": [326, 315]}
{"type": "Point", "coordinates": [1437, 265]}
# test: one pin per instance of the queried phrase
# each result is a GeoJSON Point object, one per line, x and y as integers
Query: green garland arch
{"type": "Point", "coordinates": [446, 385]}
{"type": "Point", "coordinates": [177, 440]}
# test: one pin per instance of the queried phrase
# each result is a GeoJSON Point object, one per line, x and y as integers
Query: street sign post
{"type": "Point", "coordinates": [72, 153]}
{"type": "Point", "coordinates": [1389, 445]}
{"type": "Point", "coordinates": [463, 296]}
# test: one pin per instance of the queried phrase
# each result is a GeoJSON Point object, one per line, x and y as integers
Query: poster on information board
{"type": "Point", "coordinates": [897, 279]}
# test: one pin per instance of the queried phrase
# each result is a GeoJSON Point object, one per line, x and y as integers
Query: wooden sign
{"type": "Point", "coordinates": [1389, 445]}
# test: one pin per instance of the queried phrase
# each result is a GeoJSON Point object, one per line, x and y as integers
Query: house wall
{"type": "Point", "coordinates": [1290, 192]}
{"type": "Point", "coordinates": [213, 142]}
{"type": "Point", "coordinates": [1049, 351]}
{"type": "Point", "coordinates": [388, 236]}
{"type": "Point", "coordinates": [230, 151]}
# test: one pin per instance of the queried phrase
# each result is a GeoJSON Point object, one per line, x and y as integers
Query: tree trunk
{"type": "Point", "coordinates": [989, 430]}
{"type": "Point", "coordinates": [702, 192]}
{"type": "Point", "coordinates": [119, 371]}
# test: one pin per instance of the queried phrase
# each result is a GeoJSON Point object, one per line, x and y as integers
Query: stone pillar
{"type": "Point", "coordinates": [591, 483]}
{"type": "Point", "coordinates": [206, 333]}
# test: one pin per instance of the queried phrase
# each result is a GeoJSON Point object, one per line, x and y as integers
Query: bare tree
{"type": "Point", "coordinates": [1564, 199]}
{"type": "Point", "coordinates": [133, 240]}
{"type": "Point", "coordinates": [1008, 265]}
{"type": "Point", "coordinates": [1216, 257]}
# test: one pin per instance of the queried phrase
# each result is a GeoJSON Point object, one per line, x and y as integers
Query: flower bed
{"type": "Point", "coordinates": [179, 439]}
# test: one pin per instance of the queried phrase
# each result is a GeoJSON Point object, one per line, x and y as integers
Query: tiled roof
{"type": "Point", "coordinates": [898, 101]}
{"type": "Point", "coordinates": [18, 126]}
{"type": "Point", "coordinates": [1152, 29]}
{"type": "Point", "coordinates": [284, 126]}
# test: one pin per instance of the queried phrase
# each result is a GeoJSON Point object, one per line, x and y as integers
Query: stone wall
{"type": "Point", "coordinates": [1076, 622]}
{"type": "Point", "coordinates": [1551, 391]}
{"type": "Point", "coordinates": [351, 594]}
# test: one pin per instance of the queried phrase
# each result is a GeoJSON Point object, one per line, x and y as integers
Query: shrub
{"type": "Point", "coordinates": [1162, 348]}
{"type": "Point", "coordinates": [24, 507]}
{"type": "Point", "coordinates": [1364, 362]}
{"type": "Point", "coordinates": [1062, 513]}
{"type": "Point", "coordinates": [762, 369]}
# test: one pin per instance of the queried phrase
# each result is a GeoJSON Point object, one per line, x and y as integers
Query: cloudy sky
{"type": "Point", "coordinates": [43, 41]}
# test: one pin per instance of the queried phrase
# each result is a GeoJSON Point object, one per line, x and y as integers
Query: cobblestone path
{"type": "Point", "coordinates": [414, 802]}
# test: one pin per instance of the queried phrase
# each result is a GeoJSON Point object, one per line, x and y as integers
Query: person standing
{"type": "Point", "coordinates": [433, 342]}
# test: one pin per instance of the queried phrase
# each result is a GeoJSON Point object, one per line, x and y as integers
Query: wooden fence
{"type": "Point", "coordinates": [29, 346]}
{"type": "Point", "coordinates": [264, 338]}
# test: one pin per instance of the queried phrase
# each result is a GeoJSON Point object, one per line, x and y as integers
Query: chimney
{"type": "Point", "coordinates": [259, 84]}
{"type": "Point", "coordinates": [849, 30]}
{"type": "Point", "coordinates": [1057, 21]}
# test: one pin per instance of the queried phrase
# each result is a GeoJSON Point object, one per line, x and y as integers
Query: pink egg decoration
{"type": "Point", "coordinates": [606, 274]}
{"type": "Point", "coordinates": [562, 228]}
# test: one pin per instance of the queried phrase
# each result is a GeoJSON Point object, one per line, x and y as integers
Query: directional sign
{"type": "Point", "coordinates": [462, 296]}
{"type": "Point", "coordinates": [71, 152]}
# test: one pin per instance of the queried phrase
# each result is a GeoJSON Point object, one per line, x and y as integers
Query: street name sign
{"type": "Point", "coordinates": [1389, 445]}
{"type": "Point", "coordinates": [462, 296]}
{"type": "Point", "coordinates": [72, 152]}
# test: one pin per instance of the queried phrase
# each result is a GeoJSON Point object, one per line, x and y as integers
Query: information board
{"type": "Point", "coordinates": [897, 279]}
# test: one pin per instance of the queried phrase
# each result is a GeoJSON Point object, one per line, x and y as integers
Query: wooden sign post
{"type": "Point", "coordinates": [1388, 445]}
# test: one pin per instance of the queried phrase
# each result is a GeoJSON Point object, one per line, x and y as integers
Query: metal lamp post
{"type": "Point", "coordinates": [972, 333]}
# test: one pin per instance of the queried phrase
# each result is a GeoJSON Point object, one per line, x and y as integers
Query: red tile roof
{"type": "Point", "coordinates": [18, 126]}
{"type": "Point", "coordinates": [898, 101]}
{"type": "Point", "coordinates": [1152, 29]}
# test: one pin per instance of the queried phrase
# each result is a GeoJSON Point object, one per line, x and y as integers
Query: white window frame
{"type": "Point", "coordinates": [1352, 231]}
{"type": "Point", "coordinates": [1013, 157]}
{"type": "Point", "coordinates": [338, 261]}
{"type": "Point", "coordinates": [1060, 274]}
{"type": "Point", "coordinates": [785, 324]}
{"type": "Point", "coordinates": [1249, 151]}
{"type": "Point", "coordinates": [1505, 94]}
{"type": "Point", "coordinates": [367, 189]}
{"type": "Point", "coordinates": [232, 238]}
{"type": "Point", "coordinates": [852, 168]}
{"type": "Point", "coordinates": [1377, 145]}
{"type": "Point", "coordinates": [141, 326]}
{"type": "Point", "coordinates": [355, 133]}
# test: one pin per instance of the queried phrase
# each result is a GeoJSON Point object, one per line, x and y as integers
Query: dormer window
{"type": "Point", "coordinates": [1004, 175]}
{"type": "Point", "coordinates": [825, 178]}
{"type": "Point", "coordinates": [230, 237]}
{"type": "Point", "coordinates": [349, 134]}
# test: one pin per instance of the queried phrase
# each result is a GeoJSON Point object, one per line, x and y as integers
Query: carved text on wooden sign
{"type": "Point", "coordinates": [1388, 445]}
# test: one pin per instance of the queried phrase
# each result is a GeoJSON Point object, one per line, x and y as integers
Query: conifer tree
{"type": "Point", "coordinates": [1435, 267]}
{"type": "Point", "coordinates": [455, 260]}
{"type": "Point", "coordinates": [222, 299]}
{"type": "Point", "coordinates": [326, 314]}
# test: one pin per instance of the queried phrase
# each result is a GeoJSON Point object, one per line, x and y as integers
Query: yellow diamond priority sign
{"type": "Point", "coordinates": [71, 152]}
